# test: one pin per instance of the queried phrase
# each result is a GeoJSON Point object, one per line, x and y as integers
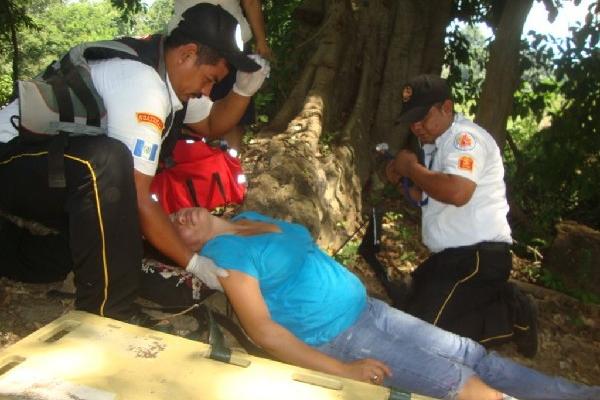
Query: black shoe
{"type": "Point", "coordinates": [399, 290]}
{"type": "Point", "coordinates": [526, 324]}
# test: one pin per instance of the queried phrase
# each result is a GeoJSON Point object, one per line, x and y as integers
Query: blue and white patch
{"type": "Point", "coordinates": [146, 151]}
{"type": "Point", "coordinates": [464, 141]}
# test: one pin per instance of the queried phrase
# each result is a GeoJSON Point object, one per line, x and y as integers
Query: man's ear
{"type": "Point", "coordinates": [448, 106]}
{"type": "Point", "coordinates": [187, 50]}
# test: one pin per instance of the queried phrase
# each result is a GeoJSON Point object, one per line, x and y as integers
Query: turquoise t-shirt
{"type": "Point", "coordinates": [306, 291]}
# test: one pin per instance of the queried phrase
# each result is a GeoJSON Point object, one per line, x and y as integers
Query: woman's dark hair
{"type": "Point", "coordinates": [206, 55]}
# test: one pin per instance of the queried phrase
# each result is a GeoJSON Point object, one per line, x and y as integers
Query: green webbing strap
{"type": "Point", "coordinates": [396, 394]}
{"type": "Point", "coordinates": [218, 350]}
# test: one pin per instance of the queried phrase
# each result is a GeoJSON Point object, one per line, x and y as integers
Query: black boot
{"type": "Point", "coordinates": [525, 322]}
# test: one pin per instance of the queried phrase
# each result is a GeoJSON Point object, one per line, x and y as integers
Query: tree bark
{"type": "Point", "coordinates": [434, 48]}
{"type": "Point", "coordinates": [311, 163]}
{"type": "Point", "coordinates": [502, 71]}
{"type": "Point", "coordinates": [416, 46]}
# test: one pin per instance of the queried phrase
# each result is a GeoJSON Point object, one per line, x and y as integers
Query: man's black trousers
{"type": "Point", "coordinates": [95, 215]}
{"type": "Point", "coordinates": [465, 290]}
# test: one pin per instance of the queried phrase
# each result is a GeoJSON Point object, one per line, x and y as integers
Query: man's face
{"type": "Point", "coordinates": [190, 79]}
{"type": "Point", "coordinates": [437, 120]}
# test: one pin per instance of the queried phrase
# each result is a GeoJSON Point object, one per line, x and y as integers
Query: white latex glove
{"type": "Point", "coordinates": [247, 83]}
{"type": "Point", "coordinates": [204, 269]}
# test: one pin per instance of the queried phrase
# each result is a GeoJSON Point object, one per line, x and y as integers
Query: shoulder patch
{"type": "Point", "coordinates": [144, 150]}
{"type": "Point", "coordinates": [466, 163]}
{"type": "Point", "coordinates": [464, 141]}
{"type": "Point", "coordinates": [150, 119]}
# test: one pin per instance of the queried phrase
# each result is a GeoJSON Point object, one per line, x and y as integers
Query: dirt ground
{"type": "Point", "coordinates": [569, 329]}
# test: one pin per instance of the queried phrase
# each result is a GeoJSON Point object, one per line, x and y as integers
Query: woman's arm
{"type": "Point", "coordinates": [244, 294]}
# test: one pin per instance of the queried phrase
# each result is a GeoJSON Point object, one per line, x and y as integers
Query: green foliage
{"type": "Point", "coordinates": [155, 19]}
{"type": "Point", "coordinates": [55, 26]}
{"type": "Point", "coordinates": [13, 15]}
{"type": "Point", "coordinates": [262, 100]}
{"type": "Point", "coordinates": [552, 281]}
{"type": "Point", "coordinates": [466, 57]}
{"type": "Point", "coordinates": [561, 165]}
{"type": "Point", "coordinates": [281, 35]}
{"type": "Point", "coordinates": [129, 8]}
{"type": "Point", "coordinates": [6, 86]}
{"type": "Point", "coordinates": [556, 126]}
{"type": "Point", "coordinates": [348, 255]}
{"type": "Point", "coordinates": [64, 27]}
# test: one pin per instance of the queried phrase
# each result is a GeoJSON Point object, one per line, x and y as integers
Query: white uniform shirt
{"type": "Point", "coordinates": [233, 7]}
{"type": "Point", "coordinates": [467, 150]}
{"type": "Point", "coordinates": [137, 102]}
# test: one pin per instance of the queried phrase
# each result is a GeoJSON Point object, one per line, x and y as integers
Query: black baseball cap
{"type": "Point", "coordinates": [214, 27]}
{"type": "Point", "coordinates": [419, 94]}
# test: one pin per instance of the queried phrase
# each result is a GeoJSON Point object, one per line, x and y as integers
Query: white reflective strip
{"type": "Point", "coordinates": [238, 38]}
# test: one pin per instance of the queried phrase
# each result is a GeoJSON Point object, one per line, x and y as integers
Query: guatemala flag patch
{"type": "Point", "coordinates": [145, 150]}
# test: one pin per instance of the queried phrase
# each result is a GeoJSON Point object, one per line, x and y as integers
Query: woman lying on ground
{"type": "Point", "coordinates": [304, 308]}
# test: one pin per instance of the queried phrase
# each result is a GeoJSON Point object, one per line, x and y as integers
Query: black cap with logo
{"type": "Point", "coordinates": [214, 27]}
{"type": "Point", "coordinates": [419, 94]}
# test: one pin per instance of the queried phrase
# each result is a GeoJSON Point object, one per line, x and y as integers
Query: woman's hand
{"type": "Point", "coordinates": [367, 370]}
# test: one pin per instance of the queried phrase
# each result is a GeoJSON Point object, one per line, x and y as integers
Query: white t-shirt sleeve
{"type": "Point", "coordinates": [137, 105]}
{"type": "Point", "coordinates": [465, 156]}
{"type": "Point", "coordinates": [197, 109]}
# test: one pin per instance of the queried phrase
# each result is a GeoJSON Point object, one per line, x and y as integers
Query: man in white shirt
{"type": "Point", "coordinates": [103, 208]}
{"type": "Point", "coordinates": [463, 286]}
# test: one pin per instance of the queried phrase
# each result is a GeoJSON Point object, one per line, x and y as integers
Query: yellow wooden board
{"type": "Point", "coordinates": [86, 357]}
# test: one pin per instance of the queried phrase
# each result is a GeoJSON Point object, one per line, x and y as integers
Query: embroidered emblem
{"type": "Point", "coordinates": [152, 120]}
{"type": "Point", "coordinates": [466, 163]}
{"type": "Point", "coordinates": [464, 141]}
{"type": "Point", "coordinates": [146, 151]}
{"type": "Point", "coordinates": [407, 93]}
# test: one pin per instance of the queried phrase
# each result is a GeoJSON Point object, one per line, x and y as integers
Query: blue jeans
{"type": "Point", "coordinates": [428, 360]}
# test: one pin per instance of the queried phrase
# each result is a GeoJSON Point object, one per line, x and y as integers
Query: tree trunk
{"type": "Point", "coordinates": [502, 71]}
{"type": "Point", "coordinates": [311, 163]}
